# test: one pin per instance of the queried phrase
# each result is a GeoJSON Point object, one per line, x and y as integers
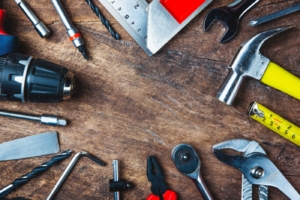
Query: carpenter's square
{"type": "Point", "coordinates": [153, 25]}
{"type": "Point", "coordinates": [31, 146]}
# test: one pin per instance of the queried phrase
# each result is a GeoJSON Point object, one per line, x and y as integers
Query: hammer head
{"type": "Point", "coordinates": [248, 61]}
{"type": "Point", "coordinates": [228, 19]}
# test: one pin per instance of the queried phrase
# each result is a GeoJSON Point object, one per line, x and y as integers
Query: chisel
{"type": "Point", "coordinates": [31, 146]}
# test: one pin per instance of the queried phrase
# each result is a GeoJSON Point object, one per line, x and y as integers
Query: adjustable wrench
{"type": "Point", "coordinates": [188, 163]}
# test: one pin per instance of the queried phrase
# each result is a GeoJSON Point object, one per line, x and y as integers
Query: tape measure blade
{"type": "Point", "coordinates": [277, 124]}
{"type": "Point", "coordinates": [133, 17]}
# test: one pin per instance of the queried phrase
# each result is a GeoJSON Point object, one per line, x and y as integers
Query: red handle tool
{"type": "Point", "coordinates": [159, 188]}
{"type": "Point", "coordinates": [2, 17]}
{"type": "Point", "coordinates": [8, 43]}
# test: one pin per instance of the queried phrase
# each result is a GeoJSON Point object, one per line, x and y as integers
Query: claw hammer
{"type": "Point", "coordinates": [249, 62]}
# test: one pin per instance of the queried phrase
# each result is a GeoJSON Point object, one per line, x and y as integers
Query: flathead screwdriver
{"type": "Point", "coordinates": [50, 120]}
{"type": "Point", "coordinates": [275, 15]}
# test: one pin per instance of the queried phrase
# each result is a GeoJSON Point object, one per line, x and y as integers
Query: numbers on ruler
{"type": "Point", "coordinates": [288, 128]}
{"type": "Point", "coordinates": [127, 16]}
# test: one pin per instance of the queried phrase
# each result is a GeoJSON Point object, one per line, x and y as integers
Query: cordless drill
{"type": "Point", "coordinates": [24, 78]}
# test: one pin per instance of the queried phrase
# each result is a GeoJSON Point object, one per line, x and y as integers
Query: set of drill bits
{"type": "Point", "coordinates": [72, 31]}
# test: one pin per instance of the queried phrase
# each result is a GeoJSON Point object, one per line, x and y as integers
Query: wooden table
{"type": "Point", "coordinates": [128, 105]}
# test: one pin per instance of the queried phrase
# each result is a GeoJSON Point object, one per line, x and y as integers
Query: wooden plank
{"type": "Point", "coordinates": [128, 106]}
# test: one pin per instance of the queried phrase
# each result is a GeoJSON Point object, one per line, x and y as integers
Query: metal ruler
{"type": "Point", "coordinates": [151, 25]}
{"type": "Point", "coordinates": [274, 122]}
{"type": "Point", "coordinates": [133, 16]}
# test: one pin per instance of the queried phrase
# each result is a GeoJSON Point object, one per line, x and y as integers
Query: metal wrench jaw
{"type": "Point", "coordinates": [247, 62]}
{"type": "Point", "coordinates": [223, 15]}
{"type": "Point", "coordinates": [255, 166]}
{"type": "Point", "coordinates": [230, 16]}
{"type": "Point", "coordinates": [240, 145]}
{"type": "Point", "coordinates": [259, 170]}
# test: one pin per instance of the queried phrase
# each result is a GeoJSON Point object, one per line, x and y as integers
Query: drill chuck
{"type": "Point", "coordinates": [24, 78]}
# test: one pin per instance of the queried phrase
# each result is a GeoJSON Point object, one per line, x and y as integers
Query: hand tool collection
{"type": "Point", "coordinates": [24, 78]}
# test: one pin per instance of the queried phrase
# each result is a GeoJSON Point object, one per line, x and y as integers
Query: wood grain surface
{"type": "Point", "coordinates": [128, 105]}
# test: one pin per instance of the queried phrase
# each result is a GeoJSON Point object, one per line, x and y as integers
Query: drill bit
{"type": "Point", "coordinates": [103, 19]}
{"type": "Point", "coordinates": [36, 171]}
{"type": "Point", "coordinates": [50, 120]}
{"type": "Point", "coordinates": [72, 31]}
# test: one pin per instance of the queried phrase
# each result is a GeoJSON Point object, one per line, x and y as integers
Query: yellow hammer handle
{"type": "Point", "coordinates": [280, 79]}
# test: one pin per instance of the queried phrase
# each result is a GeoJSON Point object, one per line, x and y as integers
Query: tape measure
{"type": "Point", "coordinates": [274, 122]}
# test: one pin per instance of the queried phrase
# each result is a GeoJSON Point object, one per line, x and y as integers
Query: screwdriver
{"type": "Point", "coordinates": [72, 31]}
{"type": "Point", "coordinates": [50, 120]}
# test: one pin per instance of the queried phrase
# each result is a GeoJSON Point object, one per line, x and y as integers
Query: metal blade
{"type": "Point", "coordinates": [274, 15]}
{"type": "Point", "coordinates": [31, 146]}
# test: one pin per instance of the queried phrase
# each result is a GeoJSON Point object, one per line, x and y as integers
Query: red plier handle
{"type": "Point", "coordinates": [168, 195]}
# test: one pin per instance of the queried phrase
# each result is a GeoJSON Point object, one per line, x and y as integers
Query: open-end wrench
{"type": "Point", "coordinates": [230, 16]}
{"type": "Point", "coordinates": [188, 163]}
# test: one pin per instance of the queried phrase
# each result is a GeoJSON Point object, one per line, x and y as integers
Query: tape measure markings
{"type": "Point", "coordinates": [274, 122]}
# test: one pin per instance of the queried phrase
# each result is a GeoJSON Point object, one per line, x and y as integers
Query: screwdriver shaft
{"type": "Point", "coordinates": [20, 115]}
{"type": "Point", "coordinates": [115, 164]}
{"type": "Point", "coordinates": [44, 119]}
{"type": "Point", "coordinates": [274, 15]}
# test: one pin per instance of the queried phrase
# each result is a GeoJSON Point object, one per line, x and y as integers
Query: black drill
{"type": "Point", "coordinates": [23, 78]}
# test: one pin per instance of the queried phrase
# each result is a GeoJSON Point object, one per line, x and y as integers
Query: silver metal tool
{"type": "Point", "coordinates": [69, 169]}
{"type": "Point", "coordinates": [39, 26]}
{"type": "Point", "coordinates": [247, 148]}
{"type": "Point", "coordinates": [150, 25]}
{"type": "Point", "coordinates": [35, 172]}
{"type": "Point", "coordinates": [188, 163]}
{"type": "Point", "coordinates": [72, 31]}
{"type": "Point", "coordinates": [30, 146]}
{"type": "Point", "coordinates": [115, 164]}
{"type": "Point", "coordinates": [230, 16]}
{"type": "Point", "coordinates": [275, 15]}
{"type": "Point", "coordinates": [248, 62]}
{"type": "Point", "coordinates": [50, 120]}
{"type": "Point", "coordinates": [255, 166]}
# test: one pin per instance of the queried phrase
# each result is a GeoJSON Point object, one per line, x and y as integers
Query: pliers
{"type": "Point", "coordinates": [257, 169]}
{"type": "Point", "coordinates": [159, 188]}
